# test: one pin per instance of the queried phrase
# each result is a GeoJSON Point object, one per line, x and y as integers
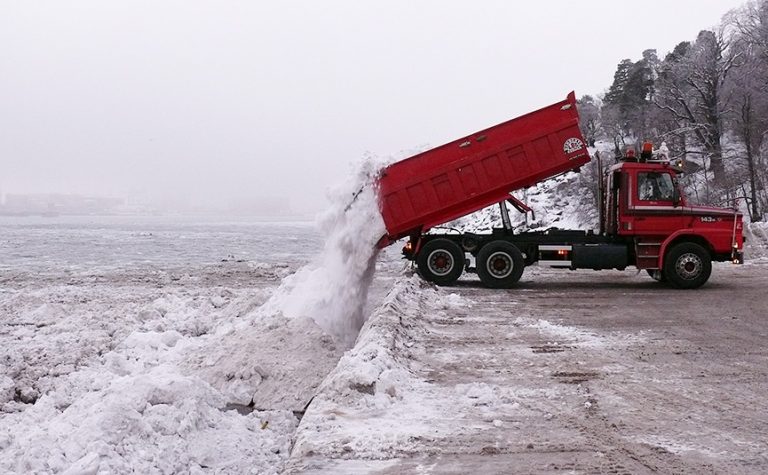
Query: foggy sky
{"type": "Point", "coordinates": [239, 102]}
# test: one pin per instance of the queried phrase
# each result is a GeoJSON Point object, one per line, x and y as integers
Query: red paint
{"type": "Point", "coordinates": [663, 222]}
{"type": "Point", "coordinates": [476, 171]}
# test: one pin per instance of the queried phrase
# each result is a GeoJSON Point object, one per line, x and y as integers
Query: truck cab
{"type": "Point", "coordinates": [645, 205]}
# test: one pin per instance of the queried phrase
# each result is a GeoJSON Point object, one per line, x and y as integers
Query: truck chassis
{"type": "Point", "coordinates": [500, 256]}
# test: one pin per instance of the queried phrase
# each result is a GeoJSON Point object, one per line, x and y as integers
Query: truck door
{"type": "Point", "coordinates": [611, 204]}
{"type": "Point", "coordinates": [650, 207]}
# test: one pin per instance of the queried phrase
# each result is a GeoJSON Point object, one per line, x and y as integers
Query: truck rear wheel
{"type": "Point", "coordinates": [500, 265]}
{"type": "Point", "coordinates": [440, 261]}
{"type": "Point", "coordinates": [687, 266]}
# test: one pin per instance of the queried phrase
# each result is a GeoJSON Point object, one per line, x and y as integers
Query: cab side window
{"type": "Point", "coordinates": [653, 186]}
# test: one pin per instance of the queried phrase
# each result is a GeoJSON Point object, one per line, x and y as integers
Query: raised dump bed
{"type": "Point", "coordinates": [476, 171]}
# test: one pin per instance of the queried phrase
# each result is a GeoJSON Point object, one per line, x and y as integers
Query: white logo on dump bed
{"type": "Point", "coordinates": [573, 145]}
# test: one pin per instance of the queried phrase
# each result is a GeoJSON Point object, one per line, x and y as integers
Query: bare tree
{"type": "Point", "coordinates": [751, 24]}
{"type": "Point", "coordinates": [589, 114]}
{"type": "Point", "coordinates": [749, 89]}
{"type": "Point", "coordinates": [690, 90]}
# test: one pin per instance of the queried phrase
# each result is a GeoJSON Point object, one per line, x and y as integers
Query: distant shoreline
{"type": "Point", "coordinates": [173, 217]}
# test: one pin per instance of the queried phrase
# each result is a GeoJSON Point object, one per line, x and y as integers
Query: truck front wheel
{"type": "Point", "coordinates": [500, 265]}
{"type": "Point", "coordinates": [440, 261]}
{"type": "Point", "coordinates": [687, 266]}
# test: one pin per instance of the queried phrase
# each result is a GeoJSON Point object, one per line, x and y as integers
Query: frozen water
{"type": "Point", "coordinates": [88, 243]}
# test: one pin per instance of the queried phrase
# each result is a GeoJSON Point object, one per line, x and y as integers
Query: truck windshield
{"type": "Point", "coordinates": [653, 186]}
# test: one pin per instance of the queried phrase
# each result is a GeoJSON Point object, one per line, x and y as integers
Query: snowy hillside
{"type": "Point", "coordinates": [568, 201]}
{"type": "Point", "coordinates": [756, 246]}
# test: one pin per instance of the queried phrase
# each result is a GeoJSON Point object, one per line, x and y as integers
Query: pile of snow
{"type": "Point", "coordinates": [373, 374]}
{"type": "Point", "coordinates": [197, 379]}
{"type": "Point", "coordinates": [135, 409]}
{"type": "Point", "coordinates": [52, 326]}
{"type": "Point", "coordinates": [756, 246]}
{"type": "Point", "coordinates": [376, 381]}
{"type": "Point", "coordinates": [265, 363]}
{"type": "Point", "coordinates": [208, 381]}
{"type": "Point", "coordinates": [333, 289]}
{"type": "Point", "coordinates": [377, 362]}
{"type": "Point", "coordinates": [156, 421]}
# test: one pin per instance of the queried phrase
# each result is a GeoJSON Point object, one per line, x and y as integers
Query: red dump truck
{"type": "Point", "coordinates": [645, 220]}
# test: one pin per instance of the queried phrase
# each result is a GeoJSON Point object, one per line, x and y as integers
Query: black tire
{"type": "Point", "coordinates": [440, 261]}
{"type": "Point", "coordinates": [656, 274]}
{"type": "Point", "coordinates": [687, 265]}
{"type": "Point", "coordinates": [500, 264]}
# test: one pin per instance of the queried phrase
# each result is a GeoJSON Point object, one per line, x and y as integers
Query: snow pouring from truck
{"type": "Point", "coordinates": [333, 289]}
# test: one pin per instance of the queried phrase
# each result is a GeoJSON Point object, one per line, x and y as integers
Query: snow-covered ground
{"type": "Point", "coordinates": [196, 347]}
{"type": "Point", "coordinates": [376, 379]}
{"type": "Point", "coordinates": [145, 346]}
{"type": "Point", "coordinates": [93, 348]}
{"type": "Point", "coordinates": [166, 346]}
{"type": "Point", "coordinates": [581, 372]}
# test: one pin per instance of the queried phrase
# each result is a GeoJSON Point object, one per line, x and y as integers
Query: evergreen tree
{"type": "Point", "coordinates": [628, 98]}
{"type": "Point", "coordinates": [615, 94]}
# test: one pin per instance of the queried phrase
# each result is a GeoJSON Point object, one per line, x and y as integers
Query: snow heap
{"type": "Point", "coordinates": [332, 290]}
{"type": "Point", "coordinates": [205, 384]}
{"type": "Point", "coordinates": [756, 246]}
{"type": "Point", "coordinates": [135, 410]}
{"type": "Point", "coordinates": [277, 356]}
{"type": "Point", "coordinates": [375, 373]}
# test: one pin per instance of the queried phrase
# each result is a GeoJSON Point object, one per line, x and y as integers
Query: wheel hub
{"type": "Point", "coordinates": [440, 262]}
{"type": "Point", "coordinates": [500, 265]}
{"type": "Point", "coordinates": [689, 266]}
